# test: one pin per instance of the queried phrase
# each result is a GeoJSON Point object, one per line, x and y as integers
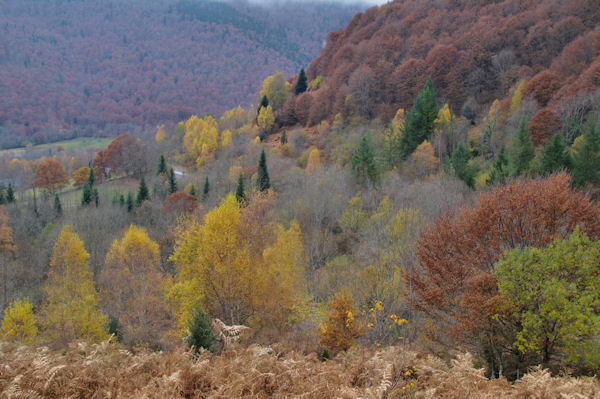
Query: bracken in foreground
{"type": "Point", "coordinates": [106, 371]}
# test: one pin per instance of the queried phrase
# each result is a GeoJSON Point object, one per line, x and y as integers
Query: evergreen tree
{"type": "Point", "coordinates": [86, 194]}
{"type": "Point", "coordinates": [2, 195]}
{"type": "Point", "coordinates": [586, 154]}
{"type": "Point", "coordinates": [301, 83]}
{"type": "Point", "coordinates": [555, 156]}
{"type": "Point", "coordinates": [121, 200]}
{"type": "Point", "coordinates": [363, 162]}
{"type": "Point", "coordinates": [419, 122]}
{"type": "Point", "coordinates": [172, 182]}
{"type": "Point", "coordinates": [283, 139]}
{"type": "Point", "coordinates": [57, 205]}
{"type": "Point", "coordinates": [201, 335]}
{"type": "Point", "coordinates": [10, 194]}
{"type": "Point", "coordinates": [263, 182]}
{"type": "Point", "coordinates": [500, 170]}
{"type": "Point", "coordinates": [143, 193]}
{"type": "Point", "coordinates": [91, 177]}
{"type": "Point", "coordinates": [193, 190]}
{"type": "Point", "coordinates": [162, 165]}
{"type": "Point", "coordinates": [460, 162]}
{"type": "Point", "coordinates": [35, 208]}
{"type": "Point", "coordinates": [129, 202]}
{"type": "Point", "coordinates": [205, 189]}
{"type": "Point", "coordinates": [240, 192]}
{"type": "Point", "coordinates": [522, 149]}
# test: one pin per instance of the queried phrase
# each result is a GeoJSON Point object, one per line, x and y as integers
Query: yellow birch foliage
{"type": "Point", "coordinates": [314, 162]}
{"type": "Point", "coordinates": [213, 268]}
{"type": "Point", "coordinates": [265, 119]}
{"type": "Point", "coordinates": [517, 97]}
{"type": "Point", "coordinates": [444, 116]}
{"type": "Point", "coordinates": [425, 160]}
{"type": "Point", "coordinates": [71, 310]}
{"type": "Point", "coordinates": [160, 134]}
{"type": "Point", "coordinates": [201, 137]}
{"type": "Point", "coordinates": [226, 138]}
{"type": "Point", "coordinates": [132, 286]}
{"type": "Point", "coordinates": [19, 323]}
{"type": "Point", "coordinates": [285, 302]}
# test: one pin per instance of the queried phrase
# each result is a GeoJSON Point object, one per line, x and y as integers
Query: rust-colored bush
{"type": "Point", "coordinates": [543, 125]}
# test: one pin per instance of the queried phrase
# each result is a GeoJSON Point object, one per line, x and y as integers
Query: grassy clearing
{"type": "Point", "coordinates": [80, 144]}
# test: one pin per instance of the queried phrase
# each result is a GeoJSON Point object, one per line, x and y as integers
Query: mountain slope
{"type": "Point", "coordinates": [76, 67]}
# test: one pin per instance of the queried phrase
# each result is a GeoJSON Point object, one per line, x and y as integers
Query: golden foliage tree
{"type": "Point", "coordinates": [213, 268]}
{"type": "Point", "coordinates": [132, 286]}
{"type": "Point", "coordinates": [80, 176]}
{"type": "Point", "coordinates": [71, 310]}
{"type": "Point", "coordinates": [341, 328]}
{"type": "Point", "coordinates": [201, 138]}
{"type": "Point", "coordinates": [275, 88]}
{"type": "Point", "coordinates": [425, 161]}
{"type": "Point", "coordinates": [265, 119]}
{"type": "Point", "coordinates": [50, 174]}
{"type": "Point", "coordinates": [19, 323]}
{"type": "Point", "coordinates": [314, 161]}
{"type": "Point", "coordinates": [160, 134]}
{"type": "Point", "coordinates": [7, 250]}
{"type": "Point", "coordinates": [285, 261]}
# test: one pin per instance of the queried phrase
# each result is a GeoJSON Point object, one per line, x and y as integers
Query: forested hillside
{"type": "Point", "coordinates": [70, 68]}
{"type": "Point", "coordinates": [430, 231]}
{"type": "Point", "coordinates": [475, 52]}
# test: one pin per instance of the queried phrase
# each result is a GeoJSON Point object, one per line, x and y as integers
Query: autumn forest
{"type": "Point", "coordinates": [255, 200]}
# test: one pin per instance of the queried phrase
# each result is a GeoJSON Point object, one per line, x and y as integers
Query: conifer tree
{"type": "Point", "coordinates": [420, 120]}
{"type": "Point", "coordinates": [91, 177]}
{"type": "Point", "coordinates": [586, 154]}
{"type": "Point", "coordinates": [555, 156]}
{"type": "Point", "coordinates": [301, 83]}
{"type": "Point", "coordinates": [264, 103]}
{"type": "Point", "coordinates": [143, 193]}
{"type": "Point", "coordinates": [10, 194]}
{"type": "Point", "coordinates": [129, 202]}
{"type": "Point", "coordinates": [192, 189]}
{"type": "Point", "coordinates": [363, 162]}
{"type": "Point", "coordinates": [522, 149]}
{"type": "Point", "coordinates": [35, 208]}
{"type": "Point", "coordinates": [500, 170]}
{"type": "Point", "coordinates": [200, 332]}
{"type": "Point", "coordinates": [263, 182]}
{"type": "Point", "coordinates": [57, 205]}
{"type": "Point", "coordinates": [86, 194]}
{"type": "Point", "coordinates": [283, 139]}
{"type": "Point", "coordinates": [240, 192]}
{"type": "Point", "coordinates": [205, 189]}
{"type": "Point", "coordinates": [460, 163]}
{"type": "Point", "coordinates": [96, 196]}
{"type": "Point", "coordinates": [121, 200]}
{"type": "Point", "coordinates": [172, 182]}
{"type": "Point", "coordinates": [162, 165]}
{"type": "Point", "coordinates": [2, 194]}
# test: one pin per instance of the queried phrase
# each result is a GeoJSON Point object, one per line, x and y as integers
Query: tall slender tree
{"type": "Point", "coordinates": [586, 154]}
{"type": "Point", "coordinates": [263, 182]}
{"type": "Point", "coordinates": [363, 162]}
{"type": "Point", "coordinates": [460, 162]}
{"type": "Point", "coordinates": [162, 165]}
{"type": "Point", "coordinates": [172, 182]}
{"type": "Point", "coordinates": [240, 192]}
{"type": "Point", "coordinates": [420, 120]}
{"type": "Point", "coordinates": [500, 170]}
{"type": "Point", "coordinates": [555, 156]}
{"type": "Point", "coordinates": [522, 149]}
{"type": "Point", "coordinates": [143, 193]}
{"type": "Point", "coordinates": [205, 189]}
{"type": "Point", "coordinates": [57, 205]}
{"type": "Point", "coordinates": [10, 193]}
{"type": "Point", "coordinates": [301, 83]}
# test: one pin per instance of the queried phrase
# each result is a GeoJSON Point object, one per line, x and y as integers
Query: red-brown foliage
{"type": "Point", "coordinates": [179, 202]}
{"type": "Point", "coordinates": [50, 174]}
{"type": "Point", "coordinates": [123, 155]}
{"type": "Point", "coordinates": [543, 86]}
{"type": "Point", "coordinates": [543, 125]}
{"type": "Point", "coordinates": [455, 285]}
{"type": "Point", "coordinates": [476, 49]}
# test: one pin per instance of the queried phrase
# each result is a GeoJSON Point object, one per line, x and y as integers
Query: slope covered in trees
{"type": "Point", "coordinates": [79, 67]}
{"type": "Point", "coordinates": [475, 52]}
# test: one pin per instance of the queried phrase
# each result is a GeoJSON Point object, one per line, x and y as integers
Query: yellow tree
{"type": "Point", "coordinates": [80, 176]}
{"type": "Point", "coordinates": [284, 300]}
{"type": "Point", "coordinates": [160, 133]}
{"type": "Point", "coordinates": [517, 97]}
{"type": "Point", "coordinates": [425, 161]}
{"type": "Point", "coordinates": [213, 268]}
{"type": "Point", "coordinates": [19, 323]}
{"type": "Point", "coordinates": [265, 119]}
{"type": "Point", "coordinates": [201, 137]}
{"type": "Point", "coordinates": [314, 162]}
{"type": "Point", "coordinates": [340, 329]}
{"type": "Point", "coordinates": [275, 88]}
{"type": "Point", "coordinates": [71, 310]}
{"type": "Point", "coordinates": [226, 138]}
{"type": "Point", "coordinates": [132, 285]}
{"type": "Point", "coordinates": [50, 174]}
